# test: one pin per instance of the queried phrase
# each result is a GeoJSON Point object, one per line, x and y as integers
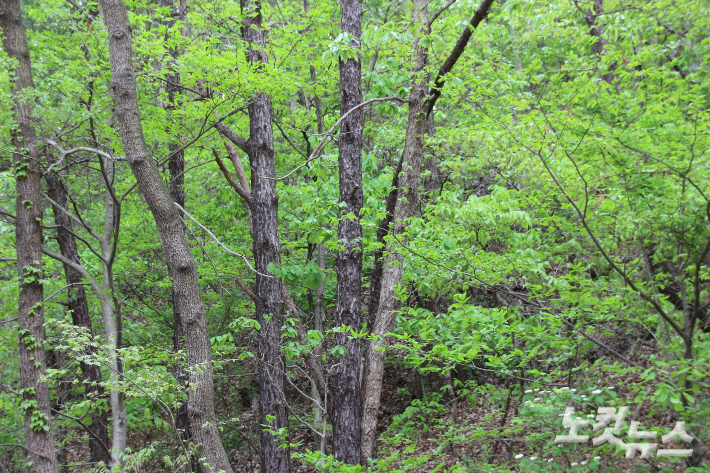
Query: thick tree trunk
{"type": "Point", "coordinates": [39, 436]}
{"type": "Point", "coordinates": [346, 385]}
{"type": "Point", "coordinates": [269, 304]}
{"type": "Point", "coordinates": [178, 253]}
{"type": "Point", "coordinates": [79, 309]}
{"type": "Point", "coordinates": [176, 166]}
{"type": "Point", "coordinates": [266, 248]}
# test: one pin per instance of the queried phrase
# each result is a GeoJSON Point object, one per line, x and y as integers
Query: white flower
{"type": "Point", "coordinates": [532, 459]}
{"type": "Point", "coordinates": [590, 416]}
{"type": "Point", "coordinates": [573, 464]}
{"type": "Point", "coordinates": [561, 415]}
{"type": "Point", "coordinates": [579, 418]}
{"type": "Point", "coordinates": [583, 463]}
{"type": "Point", "coordinates": [550, 460]}
{"type": "Point", "coordinates": [565, 388]}
{"type": "Point", "coordinates": [536, 390]}
{"type": "Point", "coordinates": [518, 457]}
{"type": "Point", "coordinates": [597, 458]}
{"type": "Point", "coordinates": [573, 390]}
{"type": "Point", "coordinates": [597, 391]}
{"type": "Point", "coordinates": [536, 399]}
{"type": "Point", "coordinates": [611, 388]}
{"type": "Point", "coordinates": [528, 391]}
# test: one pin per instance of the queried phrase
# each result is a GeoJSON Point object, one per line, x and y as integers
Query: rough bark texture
{"type": "Point", "coordinates": [176, 167]}
{"type": "Point", "coordinates": [177, 251]}
{"type": "Point", "coordinates": [420, 106]}
{"type": "Point", "coordinates": [39, 436]}
{"type": "Point", "coordinates": [79, 309]}
{"type": "Point", "coordinates": [266, 248]}
{"type": "Point", "coordinates": [346, 384]}
{"type": "Point", "coordinates": [269, 305]}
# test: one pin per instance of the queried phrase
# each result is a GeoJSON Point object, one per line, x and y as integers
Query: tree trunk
{"type": "Point", "coordinates": [177, 251]}
{"type": "Point", "coordinates": [269, 304]}
{"type": "Point", "coordinates": [318, 321]}
{"type": "Point", "coordinates": [346, 385]}
{"type": "Point", "coordinates": [79, 309]}
{"type": "Point", "coordinates": [111, 312]}
{"type": "Point", "coordinates": [266, 248]}
{"type": "Point", "coordinates": [176, 167]}
{"type": "Point", "coordinates": [420, 107]}
{"type": "Point", "coordinates": [28, 233]}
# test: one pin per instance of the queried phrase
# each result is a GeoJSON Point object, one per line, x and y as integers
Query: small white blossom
{"type": "Point", "coordinates": [573, 390]}
{"type": "Point", "coordinates": [518, 457]}
{"type": "Point", "coordinates": [528, 391]}
{"type": "Point", "coordinates": [573, 464]}
{"type": "Point", "coordinates": [590, 416]}
{"type": "Point", "coordinates": [536, 399]}
{"type": "Point", "coordinates": [583, 463]}
{"type": "Point", "coordinates": [532, 459]}
{"type": "Point", "coordinates": [565, 388]}
{"type": "Point", "coordinates": [536, 390]}
{"type": "Point", "coordinates": [611, 388]}
{"type": "Point", "coordinates": [597, 391]}
{"type": "Point", "coordinates": [561, 415]}
{"type": "Point", "coordinates": [597, 458]}
{"type": "Point", "coordinates": [550, 460]}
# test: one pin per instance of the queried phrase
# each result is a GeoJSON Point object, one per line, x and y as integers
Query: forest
{"type": "Point", "coordinates": [354, 236]}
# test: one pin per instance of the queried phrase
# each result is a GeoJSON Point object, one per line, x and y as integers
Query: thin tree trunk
{"type": "Point", "coordinates": [111, 313]}
{"type": "Point", "coordinates": [421, 105]}
{"type": "Point", "coordinates": [79, 309]}
{"type": "Point", "coordinates": [266, 248]}
{"type": "Point", "coordinates": [39, 435]}
{"type": "Point", "coordinates": [346, 385]}
{"type": "Point", "coordinates": [319, 319]}
{"type": "Point", "coordinates": [177, 251]}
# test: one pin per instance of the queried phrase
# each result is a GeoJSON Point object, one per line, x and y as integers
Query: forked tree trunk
{"type": "Point", "coordinates": [346, 385]}
{"type": "Point", "coordinates": [421, 105]}
{"type": "Point", "coordinates": [392, 263]}
{"type": "Point", "coordinates": [177, 251]}
{"type": "Point", "coordinates": [39, 436]}
{"type": "Point", "coordinates": [81, 317]}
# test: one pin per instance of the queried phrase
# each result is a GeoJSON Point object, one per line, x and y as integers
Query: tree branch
{"type": "Point", "coordinates": [455, 54]}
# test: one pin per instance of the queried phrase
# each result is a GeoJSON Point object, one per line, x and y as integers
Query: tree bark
{"type": "Point", "coordinates": [181, 263]}
{"type": "Point", "coordinates": [266, 249]}
{"type": "Point", "coordinates": [79, 309]}
{"type": "Point", "coordinates": [39, 435]}
{"type": "Point", "coordinates": [421, 105]}
{"type": "Point", "coordinates": [176, 167]}
{"type": "Point", "coordinates": [346, 384]}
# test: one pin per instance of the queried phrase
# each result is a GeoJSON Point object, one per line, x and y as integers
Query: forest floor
{"type": "Point", "coordinates": [436, 441]}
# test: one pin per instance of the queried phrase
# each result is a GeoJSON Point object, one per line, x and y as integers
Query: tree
{"type": "Point", "coordinates": [35, 406]}
{"type": "Point", "coordinates": [346, 385]}
{"type": "Point", "coordinates": [200, 404]}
